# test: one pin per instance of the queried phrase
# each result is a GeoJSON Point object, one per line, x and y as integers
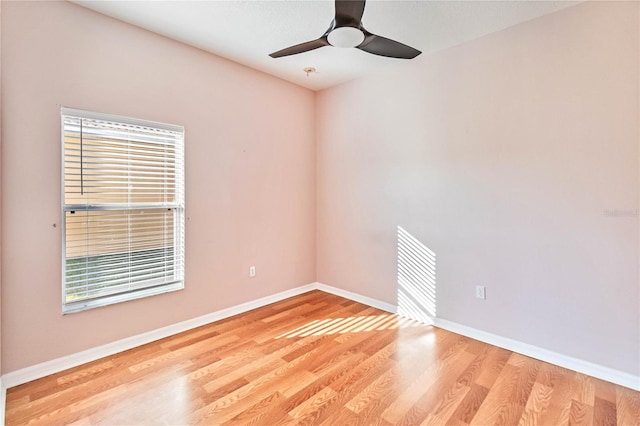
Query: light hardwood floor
{"type": "Point", "coordinates": [323, 360]}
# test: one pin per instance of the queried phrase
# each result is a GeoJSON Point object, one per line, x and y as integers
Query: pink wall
{"type": "Point", "coordinates": [506, 156]}
{"type": "Point", "coordinates": [250, 172]}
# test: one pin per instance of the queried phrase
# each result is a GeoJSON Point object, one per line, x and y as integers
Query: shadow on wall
{"type": "Point", "coordinates": [416, 279]}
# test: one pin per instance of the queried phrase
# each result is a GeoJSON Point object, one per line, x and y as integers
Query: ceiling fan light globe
{"type": "Point", "coordinates": [345, 37]}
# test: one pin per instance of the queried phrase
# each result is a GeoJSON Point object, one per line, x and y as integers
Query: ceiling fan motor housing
{"type": "Point", "coordinates": [345, 37]}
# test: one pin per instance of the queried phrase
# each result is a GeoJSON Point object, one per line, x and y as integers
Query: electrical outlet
{"type": "Point", "coordinates": [481, 292]}
{"type": "Point", "coordinates": [252, 271]}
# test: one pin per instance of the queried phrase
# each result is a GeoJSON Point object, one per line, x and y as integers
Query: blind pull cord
{"type": "Point", "coordinates": [81, 161]}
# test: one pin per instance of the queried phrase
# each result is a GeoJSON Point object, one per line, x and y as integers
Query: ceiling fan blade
{"type": "Point", "coordinates": [349, 13]}
{"type": "Point", "coordinates": [300, 48]}
{"type": "Point", "coordinates": [386, 47]}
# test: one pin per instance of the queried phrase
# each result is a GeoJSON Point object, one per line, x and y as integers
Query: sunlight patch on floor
{"type": "Point", "coordinates": [355, 324]}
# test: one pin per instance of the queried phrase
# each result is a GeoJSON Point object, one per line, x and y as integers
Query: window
{"type": "Point", "coordinates": [123, 209]}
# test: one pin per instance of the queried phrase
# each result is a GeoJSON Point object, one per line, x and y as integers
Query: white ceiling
{"type": "Point", "coordinates": [247, 31]}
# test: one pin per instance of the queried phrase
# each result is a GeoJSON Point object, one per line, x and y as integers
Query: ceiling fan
{"type": "Point", "coordinates": [346, 30]}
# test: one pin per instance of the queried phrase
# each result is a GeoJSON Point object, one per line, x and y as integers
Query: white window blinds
{"type": "Point", "coordinates": [123, 209]}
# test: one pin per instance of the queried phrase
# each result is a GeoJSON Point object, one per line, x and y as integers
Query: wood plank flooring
{"type": "Point", "coordinates": [318, 359]}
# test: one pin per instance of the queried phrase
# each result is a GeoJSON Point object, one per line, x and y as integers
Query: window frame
{"type": "Point", "coordinates": [178, 209]}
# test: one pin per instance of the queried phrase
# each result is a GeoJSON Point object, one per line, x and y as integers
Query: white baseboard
{"type": "Point", "coordinates": [37, 371]}
{"type": "Point", "coordinates": [46, 368]}
{"type": "Point", "coordinates": [388, 307]}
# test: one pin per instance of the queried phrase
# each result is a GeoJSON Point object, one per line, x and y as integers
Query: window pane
{"type": "Point", "coordinates": [119, 167]}
{"type": "Point", "coordinates": [121, 250]}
